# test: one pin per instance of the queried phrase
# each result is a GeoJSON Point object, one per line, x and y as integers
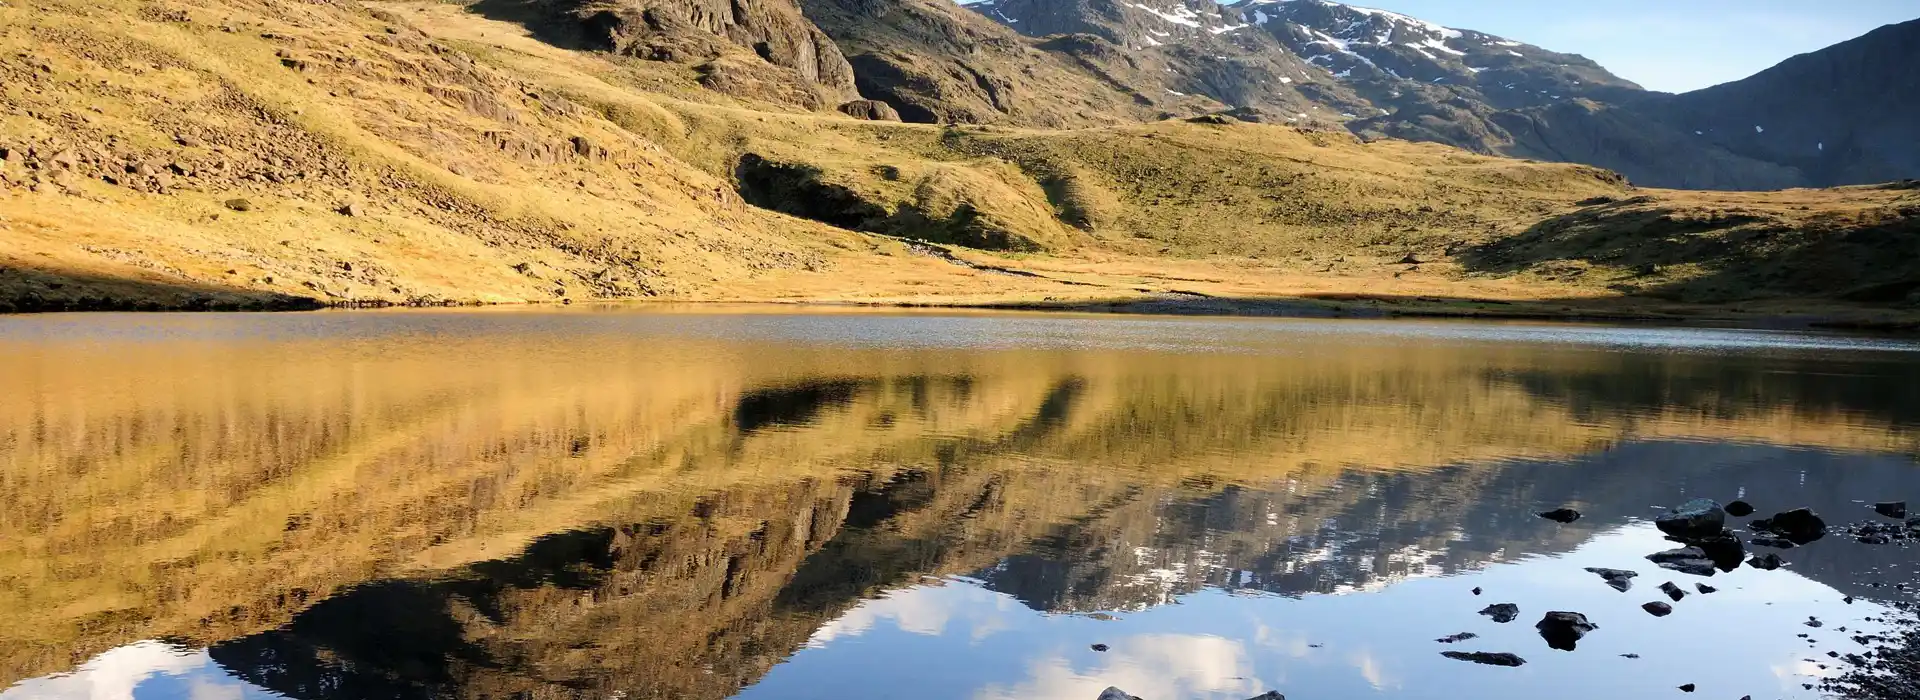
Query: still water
{"type": "Point", "coordinates": [834, 504]}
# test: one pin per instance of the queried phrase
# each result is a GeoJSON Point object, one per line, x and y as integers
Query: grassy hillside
{"type": "Point", "coordinates": [245, 153]}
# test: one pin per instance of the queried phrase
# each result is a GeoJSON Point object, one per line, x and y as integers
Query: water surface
{"type": "Point", "coordinates": [835, 504]}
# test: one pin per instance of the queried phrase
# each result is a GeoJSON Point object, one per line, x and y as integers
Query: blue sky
{"type": "Point", "coordinates": [1671, 45]}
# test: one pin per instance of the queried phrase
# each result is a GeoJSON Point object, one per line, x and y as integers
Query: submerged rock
{"type": "Point", "coordinates": [1739, 509]}
{"type": "Point", "coordinates": [1563, 630]}
{"type": "Point", "coordinates": [1481, 657]}
{"type": "Point", "coordinates": [1658, 609]}
{"type": "Point", "coordinates": [1700, 517]}
{"type": "Point", "coordinates": [1620, 579]}
{"type": "Point", "coordinates": [1765, 562]}
{"type": "Point", "coordinates": [1561, 515]}
{"type": "Point", "coordinates": [1891, 509]}
{"type": "Point", "coordinates": [1799, 525]}
{"type": "Point", "coordinates": [1672, 591]}
{"type": "Point", "coordinates": [1502, 612]}
{"type": "Point", "coordinates": [1686, 560]}
{"type": "Point", "coordinates": [1773, 541]}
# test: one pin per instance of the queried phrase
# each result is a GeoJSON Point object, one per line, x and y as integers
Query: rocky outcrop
{"type": "Point", "coordinates": [756, 48]}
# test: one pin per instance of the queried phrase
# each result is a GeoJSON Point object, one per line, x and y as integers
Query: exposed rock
{"type": "Point", "coordinates": [871, 110]}
{"type": "Point", "coordinates": [1704, 588]}
{"type": "Point", "coordinates": [1765, 562]}
{"type": "Point", "coordinates": [1486, 658]}
{"type": "Point", "coordinates": [239, 205]}
{"type": "Point", "coordinates": [1672, 591]}
{"type": "Point", "coordinates": [1269, 695]}
{"type": "Point", "coordinates": [1739, 509]}
{"type": "Point", "coordinates": [720, 34]}
{"type": "Point", "coordinates": [1688, 688]}
{"type": "Point", "coordinates": [1502, 612]}
{"type": "Point", "coordinates": [1621, 580]}
{"type": "Point", "coordinates": [1686, 560]}
{"type": "Point", "coordinates": [1892, 509]}
{"type": "Point", "coordinates": [1558, 515]}
{"type": "Point", "coordinates": [1772, 541]}
{"type": "Point", "coordinates": [1112, 693]}
{"type": "Point", "coordinates": [1456, 638]}
{"type": "Point", "coordinates": [1657, 609]}
{"type": "Point", "coordinates": [1700, 517]}
{"type": "Point", "coordinates": [1101, 647]}
{"type": "Point", "coordinates": [353, 209]}
{"type": "Point", "coordinates": [1563, 630]}
{"type": "Point", "coordinates": [1724, 549]}
{"type": "Point", "coordinates": [1799, 525]}
{"type": "Point", "coordinates": [1476, 590]}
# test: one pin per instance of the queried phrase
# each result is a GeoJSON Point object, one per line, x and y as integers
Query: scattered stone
{"type": "Point", "coordinates": [1814, 622]}
{"type": "Point", "coordinates": [1799, 525]}
{"type": "Point", "coordinates": [1739, 509]}
{"type": "Point", "coordinates": [1892, 509]}
{"type": "Point", "coordinates": [1563, 630]}
{"type": "Point", "coordinates": [1629, 656]}
{"type": "Point", "coordinates": [241, 205]}
{"type": "Point", "coordinates": [1658, 609]}
{"type": "Point", "coordinates": [1112, 693]}
{"type": "Point", "coordinates": [1700, 517]}
{"type": "Point", "coordinates": [1502, 612]}
{"type": "Point", "coordinates": [1456, 638]}
{"type": "Point", "coordinates": [1686, 560]}
{"type": "Point", "coordinates": [1476, 590]}
{"type": "Point", "coordinates": [353, 209]}
{"type": "Point", "coordinates": [1873, 539]}
{"type": "Point", "coordinates": [1101, 647]}
{"type": "Point", "coordinates": [1672, 591]}
{"type": "Point", "coordinates": [1688, 688]}
{"type": "Point", "coordinates": [1484, 658]}
{"type": "Point", "coordinates": [1765, 562]}
{"type": "Point", "coordinates": [1620, 580]}
{"type": "Point", "coordinates": [1704, 588]}
{"type": "Point", "coordinates": [1558, 515]}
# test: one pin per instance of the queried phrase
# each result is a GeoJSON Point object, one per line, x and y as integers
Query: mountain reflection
{"type": "Point", "coordinates": [670, 514]}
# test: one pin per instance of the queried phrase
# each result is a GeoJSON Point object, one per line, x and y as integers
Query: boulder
{"type": "Point", "coordinates": [1892, 509]}
{"type": "Point", "coordinates": [1484, 658]}
{"type": "Point", "coordinates": [1502, 612]}
{"type": "Point", "coordinates": [870, 110]}
{"type": "Point", "coordinates": [1739, 509]}
{"type": "Point", "coordinates": [1765, 562]}
{"type": "Point", "coordinates": [1112, 693]}
{"type": "Point", "coordinates": [1686, 560]}
{"type": "Point", "coordinates": [1657, 609]}
{"type": "Point", "coordinates": [1799, 525]}
{"type": "Point", "coordinates": [1558, 515]}
{"type": "Point", "coordinates": [1724, 549]}
{"type": "Point", "coordinates": [1672, 591]}
{"type": "Point", "coordinates": [1100, 647]}
{"type": "Point", "coordinates": [1700, 517]}
{"type": "Point", "coordinates": [1620, 580]}
{"type": "Point", "coordinates": [241, 205]}
{"type": "Point", "coordinates": [353, 209]}
{"type": "Point", "coordinates": [1563, 630]}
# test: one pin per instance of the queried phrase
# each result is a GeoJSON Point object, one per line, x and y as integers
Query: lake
{"type": "Point", "coordinates": [712, 502]}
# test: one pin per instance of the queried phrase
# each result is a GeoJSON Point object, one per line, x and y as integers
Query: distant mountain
{"type": "Point", "coordinates": [1815, 120]}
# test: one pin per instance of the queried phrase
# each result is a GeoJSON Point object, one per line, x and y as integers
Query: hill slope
{"type": "Point", "coordinates": [243, 153]}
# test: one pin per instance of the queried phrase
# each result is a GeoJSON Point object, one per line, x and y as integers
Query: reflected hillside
{"type": "Point", "coordinates": [205, 483]}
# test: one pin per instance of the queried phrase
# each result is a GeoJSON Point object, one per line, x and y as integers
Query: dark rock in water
{"type": "Point", "coordinates": [1502, 612]}
{"type": "Point", "coordinates": [1658, 609]}
{"type": "Point", "coordinates": [1686, 560]}
{"type": "Point", "coordinates": [1456, 638]}
{"type": "Point", "coordinates": [1814, 623]}
{"type": "Point", "coordinates": [1629, 656]}
{"type": "Point", "coordinates": [1873, 539]}
{"type": "Point", "coordinates": [1773, 541]}
{"type": "Point", "coordinates": [1765, 562]}
{"type": "Point", "coordinates": [1799, 525]}
{"type": "Point", "coordinates": [1561, 515]}
{"type": "Point", "coordinates": [1724, 549]}
{"type": "Point", "coordinates": [873, 110]}
{"type": "Point", "coordinates": [1700, 517]}
{"type": "Point", "coordinates": [1476, 590]}
{"type": "Point", "coordinates": [1672, 591]}
{"type": "Point", "coordinates": [1620, 580]}
{"type": "Point", "coordinates": [1739, 509]}
{"type": "Point", "coordinates": [1913, 523]}
{"type": "Point", "coordinates": [1481, 657]}
{"type": "Point", "coordinates": [1688, 688]}
{"type": "Point", "coordinates": [1269, 695]}
{"type": "Point", "coordinates": [1101, 647]}
{"type": "Point", "coordinates": [1112, 693]}
{"type": "Point", "coordinates": [1891, 509]}
{"type": "Point", "coordinates": [1704, 588]}
{"type": "Point", "coordinates": [1563, 630]}
{"type": "Point", "coordinates": [1848, 600]}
